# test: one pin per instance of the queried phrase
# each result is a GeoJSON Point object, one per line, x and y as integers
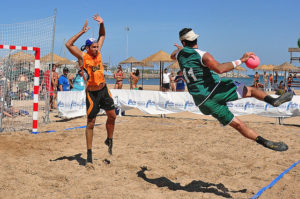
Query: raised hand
{"type": "Point", "coordinates": [246, 56]}
{"type": "Point", "coordinates": [177, 46]}
{"type": "Point", "coordinates": [85, 28]}
{"type": "Point", "coordinates": [97, 18]}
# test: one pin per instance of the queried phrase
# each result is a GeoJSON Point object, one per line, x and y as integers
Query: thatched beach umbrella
{"type": "Point", "coordinates": [56, 58]}
{"type": "Point", "coordinates": [239, 68]}
{"type": "Point", "coordinates": [161, 57]}
{"type": "Point", "coordinates": [175, 65]}
{"type": "Point", "coordinates": [286, 67]}
{"type": "Point", "coordinates": [265, 67]}
{"type": "Point", "coordinates": [20, 57]}
{"type": "Point", "coordinates": [66, 61]}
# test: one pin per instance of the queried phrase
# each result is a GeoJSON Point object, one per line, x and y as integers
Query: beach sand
{"type": "Point", "coordinates": [181, 156]}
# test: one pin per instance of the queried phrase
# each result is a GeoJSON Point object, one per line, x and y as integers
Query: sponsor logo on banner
{"type": "Point", "coordinates": [229, 104]}
{"type": "Point", "coordinates": [73, 104]}
{"type": "Point", "coordinates": [60, 104]}
{"type": "Point", "coordinates": [188, 104]}
{"type": "Point", "coordinates": [179, 105]}
{"type": "Point", "coordinates": [169, 104]}
{"type": "Point", "coordinates": [259, 106]}
{"type": "Point", "coordinates": [239, 105]}
{"type": "Point", "coordinates": [292, 105]}
{"type": "Point", "coordinates": [131, 102]}
{"type": "Point", "coordinates": [249, 105]}
{"type": "Point", "coordinates": [150, 103]}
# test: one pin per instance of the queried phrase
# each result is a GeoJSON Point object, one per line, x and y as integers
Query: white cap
{"type": "Point", "coordinates": [189, 36]}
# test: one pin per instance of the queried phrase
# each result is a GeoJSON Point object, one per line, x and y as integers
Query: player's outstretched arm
{"type": "Point", "coordinates": [70, 43]}
{"type": "Point", "coordinates": [101, 36]}
{"type": "Point", "coordinates": [211, 63]}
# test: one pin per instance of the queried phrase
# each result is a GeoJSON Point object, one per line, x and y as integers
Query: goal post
{"type": "Point", "coordinates": [36, 81]}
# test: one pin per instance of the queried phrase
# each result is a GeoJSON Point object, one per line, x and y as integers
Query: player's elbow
{"type": "Point", "coordinates": [68, 45]}
{"type": "Point", "coordinates": [218, 70]}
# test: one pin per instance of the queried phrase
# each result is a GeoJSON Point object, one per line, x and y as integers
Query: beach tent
{"type": "Point", "coordinates": [160, 57]}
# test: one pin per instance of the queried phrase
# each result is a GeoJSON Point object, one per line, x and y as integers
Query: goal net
{"type": "Point", "coordinates": [21, 73]}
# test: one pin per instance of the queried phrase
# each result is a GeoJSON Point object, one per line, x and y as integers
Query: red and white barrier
{"type": "Point", "coordinates": [36, 80]}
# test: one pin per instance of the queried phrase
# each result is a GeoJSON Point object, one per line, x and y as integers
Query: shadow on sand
{"type": "Point", "coordinates": [194, 186]}
{"type": "Point", "coordinates": [77, 157]}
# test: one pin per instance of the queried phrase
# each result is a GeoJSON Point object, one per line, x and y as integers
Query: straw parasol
{"type": "Point", "coordinates": [239, 68]}
{"type": "Point", "coordinates": [265, 67]}
{"type": "Point", "coordinates": [56, 58]}
{"type": "Point", "coordinates": [22, 57]}
{"type": "Point", "coordinates": [286, 67]}
{"type": "Point", "coordinates": [160, 57]}
{"type": "Point", "coordinates": [130, 60]}
{"type": "Point", "coordinates": [175, 65]}
{"type": "Point", "coordinates": [66, 61]}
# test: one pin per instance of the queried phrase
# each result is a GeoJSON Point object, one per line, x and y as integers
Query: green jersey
{"type": "Point", "coordinates": [201, 81]}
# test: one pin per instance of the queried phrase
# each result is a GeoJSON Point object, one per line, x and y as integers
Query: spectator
{"type": "Point", "coordinates": [271, 80]}
{"type": "Point", "coordinates": [53, 86]}
{"type": "Point", "coordinates": [63, 81]}
{"type": "Point", "coordinates": [280, 90]}
{"type": "Point", "coordinates": [172, 81]}
{"type": "Point", "coordinates": [180, 82]}
{"type": "Point", "coordinates": [256, 80]}
{"type": "Point", "coordinates": [78, 82]}
{"type": "Point", "coordinates": [166, 81]}
{"type": "Point", "coordinates": [266, 77]}
{"type": "Point", "coordinates": [134, 79]}
{"type": "Point", "coordinates": [289, 80]}
{"type": "Point", "coordinates": [22, 86]}
{"type": "Point", "coordinates": [119, 76]}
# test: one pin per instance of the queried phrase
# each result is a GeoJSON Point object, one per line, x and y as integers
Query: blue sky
{"type": "Point", "coordinates": [227, 28]}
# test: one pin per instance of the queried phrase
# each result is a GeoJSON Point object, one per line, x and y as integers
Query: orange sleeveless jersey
{"type": "Point", "coordinates": [93, 69]}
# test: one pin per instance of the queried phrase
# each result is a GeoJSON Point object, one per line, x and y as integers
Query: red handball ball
{"type": "Point", "coordinates": [252, 62]}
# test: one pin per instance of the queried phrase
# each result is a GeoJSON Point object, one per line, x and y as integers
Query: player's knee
{"type": "Point", "coordinates": [90, 125]}
{"type": "Point", "coordinates": [111, 118]}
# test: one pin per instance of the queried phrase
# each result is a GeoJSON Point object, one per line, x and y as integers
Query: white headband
{"type": "Point", "coordinates": [190, 36]}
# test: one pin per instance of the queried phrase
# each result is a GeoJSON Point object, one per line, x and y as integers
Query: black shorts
{"type": "Point", "coordinates": [167, 85]}
{"type": "Point", "coordinates": [96, 100]}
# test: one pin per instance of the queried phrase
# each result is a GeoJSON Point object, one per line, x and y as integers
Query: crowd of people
{"type": "Point", "coordinates": [271, 83]}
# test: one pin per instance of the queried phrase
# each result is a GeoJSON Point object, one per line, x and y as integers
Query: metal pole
{"type": "Point", "coordinates": [5, 71]}
{"type": "Point", "coordinates": [143, 78]}
{"type": "Point", "coordinates": [47, 118]}
{"type": "Point", "coordinates": [130, 80]}
{"type": "Point", "coordinates": [127, 30]}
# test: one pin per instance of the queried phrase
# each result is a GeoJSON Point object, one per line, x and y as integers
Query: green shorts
{"type": "Point", "coordinates": [215, 105]}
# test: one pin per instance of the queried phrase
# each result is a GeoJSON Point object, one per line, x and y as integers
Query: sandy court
{"type": "Point", "coordinates": [181, 156]}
